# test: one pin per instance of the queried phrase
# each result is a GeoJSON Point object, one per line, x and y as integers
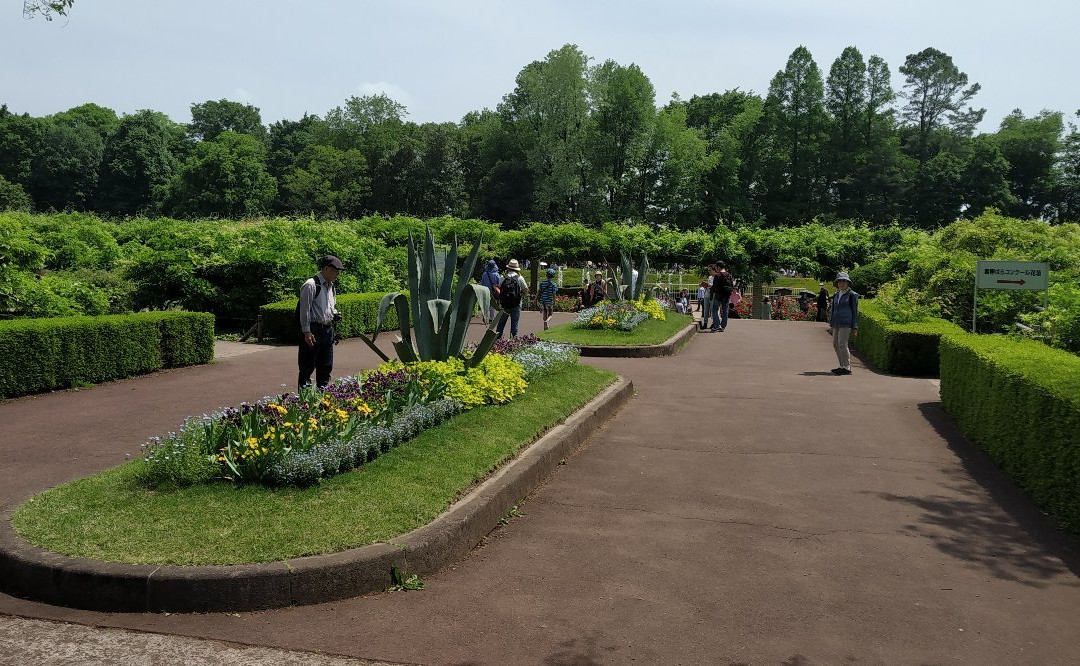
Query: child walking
{"type": "Point", "coordinates": [545, 293]}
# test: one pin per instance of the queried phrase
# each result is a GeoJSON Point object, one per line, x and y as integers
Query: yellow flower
{"type": "Point", "coordinates": [287, 424]}
{"type": "Point", "coordinates": [252, 441]}
{"type": "Point", "coordinates": [265, 451]}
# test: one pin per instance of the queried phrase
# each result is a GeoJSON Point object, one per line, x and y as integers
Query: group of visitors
{"type": "Point", "coordinates": [316, 309]}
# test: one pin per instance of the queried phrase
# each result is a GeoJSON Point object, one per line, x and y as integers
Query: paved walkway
{"type": "Point", "coordinates": [746, 507]}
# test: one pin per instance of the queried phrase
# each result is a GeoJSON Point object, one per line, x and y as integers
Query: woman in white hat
{"type": "Point", "coordinates": [844, 322]}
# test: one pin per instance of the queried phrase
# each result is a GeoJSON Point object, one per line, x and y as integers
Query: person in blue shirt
{"type": "Point", "coordinates": [545, 294]}
{"type": "Point", "coordinates": [491, 280]}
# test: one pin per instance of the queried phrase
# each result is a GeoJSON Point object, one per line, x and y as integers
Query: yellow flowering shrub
{"type": "Point", "coordinates": [651, 307]}
{"type": "Point", "coordinates": [496, 380]}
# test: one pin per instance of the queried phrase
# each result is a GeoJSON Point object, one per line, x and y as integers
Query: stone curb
{"type": "Point", "coordinates": [669, 348]}
{"type": "Point", "coordinates": [33, 573]}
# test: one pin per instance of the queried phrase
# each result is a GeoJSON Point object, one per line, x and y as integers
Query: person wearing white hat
{"type": "Point", "coordinates": [510, 290]}
{"type": "Point", "coordinates": [844, 321]}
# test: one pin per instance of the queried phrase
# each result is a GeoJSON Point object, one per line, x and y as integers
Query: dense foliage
{"type": "Point", "coordinates": [574, 139]}
{"type": "Point", "coordinates": [928, 275]}
{"type": "Point", "coordinates": [1020, 401]}
{"type": "Point", "coordinates": [909, 348]}
{"type": "Point", "coordinates": [72, 263]}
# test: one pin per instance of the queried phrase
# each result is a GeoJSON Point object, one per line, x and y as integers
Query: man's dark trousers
{"type": "Point", "coordinates": [318, 359]}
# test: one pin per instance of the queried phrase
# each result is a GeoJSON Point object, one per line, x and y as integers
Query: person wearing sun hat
{"type": "Point", "coordinates": [510, 290]}
{"type": "Point", "coordinates": [545, 295]}
{"type": "Point", "coordinates": [844, 321]}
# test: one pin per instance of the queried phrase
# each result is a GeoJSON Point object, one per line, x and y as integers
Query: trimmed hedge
{"type": "Point", "coordinates": [44, 354]}
{"type": "Point", "coordinates": [359, 314]}
{"type": "Point", "coordinates": [1020, 401]}
{"type": "Point", "coordinates": [901, 349]}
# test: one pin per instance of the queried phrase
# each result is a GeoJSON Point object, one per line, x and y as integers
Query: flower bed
{"type": "Point", "coordinates": [619, 315]}
{"type": "Point", "coordinates": [300, 438]}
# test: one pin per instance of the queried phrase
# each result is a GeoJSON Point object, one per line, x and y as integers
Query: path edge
{"type": "Point", "coordinates": [29, 572]}
{"type": "Point", "coordinates": [669, 348]}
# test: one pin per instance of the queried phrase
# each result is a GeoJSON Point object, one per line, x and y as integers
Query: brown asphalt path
{"type": "Point", "coordinates": [746, 507]}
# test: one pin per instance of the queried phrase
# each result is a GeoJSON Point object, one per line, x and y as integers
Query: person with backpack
{"type": "Point", "coordinates": [510, 290]}
{"type": "Point", "coordinates": [491, 280]}
{"type": "Point", "coordinates": [545, 294]}
{"type": "Point", "coordinates": [844, 321]}
{"type": "Point", "coordinates": [720, 291]}
{"type": "Point", "coordinates": [595, 292]}
{"type": "Point", "coordinates": [316, 313]}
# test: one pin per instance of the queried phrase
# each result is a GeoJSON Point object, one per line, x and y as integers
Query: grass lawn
{"type": "Point", "coordinates": [111, 517]}
{"type": "Point", "coordinates": [649, 332]}
{"type": "Point", "coordinates": [798, 283]}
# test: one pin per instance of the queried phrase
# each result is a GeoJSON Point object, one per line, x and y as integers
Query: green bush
{"type": "Point", "coordinates": [62, 352]}
{"type": "Point", "coordinates": [1020, 401]}
{"type": "Point", "coordinates": [900, 349]}
{"type": "Point", "coordinates": [359, 314]}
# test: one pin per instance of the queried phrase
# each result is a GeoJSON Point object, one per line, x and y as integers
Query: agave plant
{"type": "Point", "coordinates": [618, 293]}
{"type": "Point", "coordinates": [438, 313]}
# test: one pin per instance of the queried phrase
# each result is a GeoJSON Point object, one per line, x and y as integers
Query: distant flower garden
{"type": "Point", "coordinates": [300, 438]}
{"type": "Point", "coordinates": [620, 315]}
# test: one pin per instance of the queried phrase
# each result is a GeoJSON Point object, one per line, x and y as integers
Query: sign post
{"type": "Point", "coordinates": [1010, 276]}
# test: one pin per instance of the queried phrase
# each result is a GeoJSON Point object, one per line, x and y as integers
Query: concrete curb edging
{"type": "Point", "coordinates": [33, 573]}
{"type": "Point", "coordinates": [669, 348]}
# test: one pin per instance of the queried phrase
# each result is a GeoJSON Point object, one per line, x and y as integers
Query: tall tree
{"type": "Point", "coordinates": [550, 113]}
{"type": "Point", "coordinates": [985, 180]}
{"type": "Point", "coordinates": [1031, 146]}
{"type": "Point", "coordinates": [327, 181]}
{"type": "Point", "coordinates": [65, 166]}
{"type": "Point", "coordinates": [1066, 191]}
{"type": "Point", "coordinates": [936, 92]}
{"type": "Point", "coordinates": [210, 118]}
{"type": "Point", "coordinates": [845, 98]}
{"type": "Point", "coordinates": [795, 118]}
{"type": "Point", "coordinates": [138, 161]}
{"type": "Point", "coordinates": [225, 177]}
{"type": "Point", "coordinates": [623, 110]}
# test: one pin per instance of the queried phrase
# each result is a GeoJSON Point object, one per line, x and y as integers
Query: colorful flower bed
{"type": "Point", "coordinates": [300, 438]}
{"type": "Point", "coordinates": [620, 315]}
{"type": "Point", "coordinates": [789, 311]}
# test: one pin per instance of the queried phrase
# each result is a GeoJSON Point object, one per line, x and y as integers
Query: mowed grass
{"type": "Point", "coordinates": [111, 517]}
{"type": "Point", "coordinates": [796, 284]}
{"type": "Point", "coordinates": [649, 332]}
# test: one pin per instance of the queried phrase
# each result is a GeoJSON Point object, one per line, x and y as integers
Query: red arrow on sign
{"type": "Point", "coordinates": [1020, 282]}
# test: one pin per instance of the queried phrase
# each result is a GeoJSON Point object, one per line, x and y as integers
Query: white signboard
{"type": "Point", "coordinates": [1025, 275]}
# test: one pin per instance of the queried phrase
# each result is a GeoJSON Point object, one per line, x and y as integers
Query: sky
{"type": "Point", "coordinates": [444, 59]}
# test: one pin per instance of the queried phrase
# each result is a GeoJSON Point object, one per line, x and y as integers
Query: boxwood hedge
{"type": "Point", "coordinates": [44, 354]}
{"type": "Point", "coordinates": [900, 349]}
{"type": "Point", "coordinates": [359, 314]}
{"type": "Point", "coordinates": [1020, 401]}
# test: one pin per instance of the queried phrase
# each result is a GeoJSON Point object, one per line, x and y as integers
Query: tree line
{"type": "Point", "coordinates": [574, 140]}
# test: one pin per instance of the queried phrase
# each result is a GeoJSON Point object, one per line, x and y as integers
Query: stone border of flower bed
{"type": "Point", "coordinates": [33, 573]}
{"type": "Point", "coordinates": [669, 348]}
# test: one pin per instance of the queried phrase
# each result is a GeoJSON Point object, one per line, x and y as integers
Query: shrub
{"type": "Point", "coordinates": [902, 349]}
{"type": "Point", "coordinates": [495, 380]}
{"type": "Point", "coordinates": [359, 314]}
{"type": "Point", "coordinates": [1020, 401]}
{"type": "Point", "coordinates": [44, 354]}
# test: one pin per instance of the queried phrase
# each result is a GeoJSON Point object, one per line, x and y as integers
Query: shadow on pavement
{"type": "Point", "coordinates": [1008, 536]}
{"type": "Point", "coordinates": [818, 373]}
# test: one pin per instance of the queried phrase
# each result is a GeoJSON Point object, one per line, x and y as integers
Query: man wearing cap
{"type": "Point", "coordinates": [844, 322]}
{"type": "Point", "coordinates": [318, 312]}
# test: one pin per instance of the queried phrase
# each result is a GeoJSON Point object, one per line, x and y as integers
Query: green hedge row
{"type": "Point", "coordinates": [901, 349]}
{"type": "Point", "coordinates": [1020, 401]}
{"type": "Point", "coordinates": [44, 354]}
{"type": "Point", "coordinates": [359, 314]}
